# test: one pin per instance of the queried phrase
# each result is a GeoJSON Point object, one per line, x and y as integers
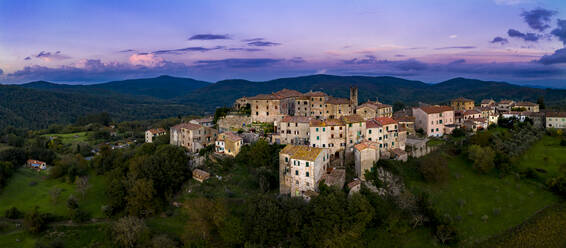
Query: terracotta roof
{"type": "Point", "coordinates": [555, 114]}
{"type": "Point", "coordinates": [398, 152]}
{"type": "Point", "coordinates": [372, 123]}
{"type": "Point", "coordinates": [337, 100]}
{"type": "Point", "coordinates": [352, 119]}
{"type": "Point", "coordinates": [525, 104]}
{"type": "Point", "coordinates": [156, 130]}
{"type": "Point", "coordinates": [264, 97]}
{"type": "Point", "coordinates": [374, 105]}
{"type": "Point", "coordinates": [365, 145]}
{"type": "Point", "coordinates": [205, 119]}
{"type": "Point", "coordinates": [297, 119]}
{"type": "Point", "coordinates": [471, 112]}
{"type": "Point", "coordinates": [505, 102]}
{"type": "Point", "coordinates": [187, 125]}
{"type": "Point", "coordinates": [487, 101]}
{"type": "Point", "coordinates": [302, 152]}
{"type": "Point", "coordinates": [327, 122]}
{"type": "Point", "coordinates": [229, 136]}
{"type": "Point", "coordinates": [462, 99]}
{"type": "Point", "coordinates": [385, 120]}
{"type": "Point", "coordinates": [405, 118]}
{"type": "Point", "coordinates": [315, 93]}
{"type": "Point", "coordinates": [285, 93]}
{"type": "Point", "coordinates": [200, 174]}
{"type": "Point", "coordinates": [436, 109]}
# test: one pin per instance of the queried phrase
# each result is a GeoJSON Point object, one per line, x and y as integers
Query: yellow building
{"type": "Point", "coordinates": [461, 103]}
{"type": "Point", "coordinates": [229, 144]}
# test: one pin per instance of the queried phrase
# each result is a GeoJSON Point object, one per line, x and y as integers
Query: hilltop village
{"type": "Point", "coordinates": [324, 133]}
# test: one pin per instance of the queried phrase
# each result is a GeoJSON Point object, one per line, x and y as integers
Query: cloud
{"type": "Point", "coordinates": [149, 60]}
{"type": "Point", "coordinates": [538, 19]}
{"type": "Point", "coordinates": [458, 61]}
{"type": "Point", "coordinates": [1, 72]}
{"type": "Point", "coordinates": [455, 47]}
{"type": "Point", "coordinates": [297, 60]}
{"type": "Point", "coordinates": [560, 31]}
{"type": "Point", "coordinates": [400, 55]}
{"type": "Point", "coordinates": [238, 62]}
{"type": "Point", "coordinates": [127, 51]}
{"type": "Point", "coordinates": [27, 58]}
{"type": "Point", "coordinates": [525, 36]}
{"type": "Point", "coordinates": [321, 71]}
{"type": "Point", "coordinates": [210, 37]}
{"type": "Point", "coordinates": [499, 40]}
{"type": "Point", "coordinates": [263, 43]}
{"type": "Point", "coordinates": [94, 70]}
{"type": "Point", "coordinates": [510, 2]}
{"type": "Point", "coordinates": [245, 49]}
{"type": "Point", "coordinates": [253, 39]}
{"type": "Point", "coordinates": [48, 56]}
{"type": "Point", "coordinates": [454, 36]}
{"type": "Point", "coordinates": [559, 56]}
{"type": "Point", "coordinates": [186, 50]}
{"type": "Point", "coordinates": [402, 65]}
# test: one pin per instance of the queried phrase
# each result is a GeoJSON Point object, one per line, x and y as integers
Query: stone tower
{"type": "Point", "coordinates": [354, 96]}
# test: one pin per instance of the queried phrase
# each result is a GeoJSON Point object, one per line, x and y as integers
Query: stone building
{"type": "Point", "coordinates": [303, 105]}
{"type": "Point", "coordinates": [504, 105]}
{"type": "Point", "coordinates": [241, 103]}
{"type": "Point", "coordinates": [233, 122]}
{"type": "Point", "coordinates": [434, 120]}
{"type": "Point", "coordinates": [192, 136]}
{"type": "Point", "coordinates": [317, 100]}
{"type": "Point", "coordinates": [355, 131]}
{"type": "Point", "coordinates": [366, 154]}
{"type": "Point", "coordinates": [406, 123]}
{"type": "Point", "coordinates": [229, 143]}
{"type": "Point", "coordinates": [152, 133]}
{"type": "Point", "coordinates": [265, 108]}
{"type": "Point", "coordinates": [556, 120]}
{"type": "Point", "coordinates": [525, 106]}
{"type": "Point", "coordinates": [462, 103]}
{"type": "Point", "coordinates": [293, 130]}
{"type": "Point", "coordinates": [385, 131]}
{"type": "Point", "coordinates": [335, 107]}
{"type": "Point", "coordinates": [369, 110]}
{"type": "Point", "coordinates": [330, 133]}
{"type": "Point", "coordinates": [301, 168]}
{"type": "Point", "coordinates": [489, 103]}
{"type": "Point", "coordinates": [460, 116]}
{"type": "Point", "coordinates": [206, 121]}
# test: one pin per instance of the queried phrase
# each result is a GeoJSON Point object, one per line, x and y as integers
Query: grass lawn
{"type": "Point", "coordinates": [546, 154]}
{"type": "Point", "coordinates": [69, 138]}
{"type": "Point", "coordinates": [173, 225]}
{"type": "Point", "coordinates": [4, 146]}
{"type": "Point", "coordinates": [20, 193]}
{"type": "Point", "coordinates": [467, 196]}
{"type": "Point", "coordinates": [18, 239]}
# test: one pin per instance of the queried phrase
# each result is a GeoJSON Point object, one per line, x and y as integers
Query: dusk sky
{"type": "Point", "coordinates": [517, 41]}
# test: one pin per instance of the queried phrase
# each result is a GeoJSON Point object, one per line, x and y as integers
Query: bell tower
{"type": "Point", "coordinates": [354, 96]}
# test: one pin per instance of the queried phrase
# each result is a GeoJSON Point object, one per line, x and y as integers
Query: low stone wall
{"type": "Point", "coordinates": [234, 123]}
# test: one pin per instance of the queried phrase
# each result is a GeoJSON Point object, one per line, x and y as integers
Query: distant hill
{"type": "Point", "coordinates": [163, 87]}
{"type": "Point", "coordinates": [386, 89]}
{"type": "Point", "coordinates": [39, 104]}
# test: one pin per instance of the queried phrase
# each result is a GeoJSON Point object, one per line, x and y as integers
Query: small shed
{"type": "Point", "coordinates": [36, 164]}
{"type": "Point", "coordinates": [200, 175]}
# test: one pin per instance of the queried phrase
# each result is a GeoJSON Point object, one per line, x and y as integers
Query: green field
{"type": "Point", "coordinates": [22, 194]}
{"type": "Point", "coordinates": [546, 154]}
{"type": "Point", "coordinates": [69, 138]}
{"type": "Point", "coordinates": [467, 196]}
{"type": "Point", "coordinates": [4, 146]}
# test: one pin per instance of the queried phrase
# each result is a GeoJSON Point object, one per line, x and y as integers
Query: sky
{"type": "Point", "coordinates": [81, 42]}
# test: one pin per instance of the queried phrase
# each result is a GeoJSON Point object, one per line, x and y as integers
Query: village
{"type": "Point", "coordinates": [323, 134]}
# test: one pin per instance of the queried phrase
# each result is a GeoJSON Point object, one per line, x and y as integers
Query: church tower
{"type": "Point", "coordinates": [354, 96]}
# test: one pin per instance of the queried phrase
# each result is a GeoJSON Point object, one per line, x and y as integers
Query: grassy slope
{"type": "Point", "coordinates": [70, 138]}
{"type": "Point", "coordinates": [482, 194]}
{"type": "Point", "coordinates": [19, 193]}
{"type": "Point", "coordinates": [546, 154]}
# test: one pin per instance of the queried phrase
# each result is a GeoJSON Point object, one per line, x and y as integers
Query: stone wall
{"type": "Point", "coordinates": [233, 122]}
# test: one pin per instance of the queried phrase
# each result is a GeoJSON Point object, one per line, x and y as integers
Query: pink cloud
{"type": "Point", "coordinates": [149, 60]}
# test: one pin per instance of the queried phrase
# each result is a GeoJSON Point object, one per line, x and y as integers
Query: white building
{"type": "Point", "coordinates": [153, 133]}
{"type": "Point", "coordinates": [301, 168]}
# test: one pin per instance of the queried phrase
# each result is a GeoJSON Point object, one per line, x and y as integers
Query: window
{"type": "Point", "coordinates": [432, 130]}
{"type": "Point", "coordinates": [316, 129]}
{"type": "Point", "coordinates": [297, 173]}
{"type": "Point", "coordinates": [323, 145]}
{"type": "Point", "coordinates": [294, 162]}
{"type": "Point", "coordinates": [350, 125]}
{"type": "Point", "coordinates": [370, 131]}
{"type": "Point", "coordinates": [307, 174]}
{"type": "Point", "coordinates": [267, 113]}
{"type": "Point", "coordinates": [317, 137]}
{"type": "Point", "coordinates": [440, 121]}
{"type": "Point", "coordinates": [307, 164]}
{"type": "Point", "coordinates": [437, 129]}
{"type": "Point", "coordinates": [324, 129]}
{"type": "Point", "coordinates": [286, 159]}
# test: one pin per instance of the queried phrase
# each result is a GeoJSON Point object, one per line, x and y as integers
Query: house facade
{"type": "Point", "coordinates": [153, 133]}
{"type": "Point", "coordinates": [192, 136]}
{"type": "Point", "coordinates": [293, 130]}
{"type": "Point", "coordinates": [36, 164]}
{"type": "Point", "coordinates": [366, 154]}
{"type": "Point", "coordinates": [526, 106]}
{"type": "Point", "coordinates": [301, 168]}
{"type": "Point", "coordinates": [369, 110]}
{"type": "Point", "coordinates": [433, 119]}
{"type": "Point", "coordinates": [330, 133]}
{"type": "Point", "coordinates": [229, 143]}
{"type": "Point", "coordinates": [462, 103]}
{"type": "Point", "coordinates": [556, 120]}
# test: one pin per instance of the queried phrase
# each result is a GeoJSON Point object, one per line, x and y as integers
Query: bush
{"type": "Point", "coordinates": [13, 213]}
{"type": "Point", "coordinates": [483, 158]}
{"type": "Point", "coordinates": [129, 231]}
{"type": "Point", "coordinates": [433, 168]}
{"type": "Point", "coordinates": [34, 222]}
{"type": "Point", "coordinates": [563, 142]}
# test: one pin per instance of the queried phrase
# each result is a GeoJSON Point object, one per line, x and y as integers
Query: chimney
{"type": "Point", "coordinates": [354, 96]}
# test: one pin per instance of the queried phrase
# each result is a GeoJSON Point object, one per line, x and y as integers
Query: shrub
{"type": "Point", "coordinates": [483, 158]}
{"type": "Point", "coordinates": [13, 213]}
{"type": "Point", "coordinates": [34, 222]}
{"type": "Point", "coordinates": [129, 231]}
{"type": "Point", "coordinates": [433, 168]}
{"type": "Point", "coordinates": [563, 142]}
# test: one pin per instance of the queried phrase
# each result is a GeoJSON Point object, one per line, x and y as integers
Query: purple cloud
{"type": "Point", "coordinates": [253, 39]}
{"type": "Point", "coordinates": [559, 56]}
{"type": "Point", "coordinates": [297, 60]}
{"type": "Point", "coordinates": [455, 47]}
{"type": "Point", "coordinates": [186, 50]}
{"type": "Point", "coordinates": [210, 37]}
{"type": "Point", "coordinates": [538, 19]}
{"type": "Point", "coordinates": [127, 51]}
{"type": "Point", "coordinates": [244, 49]}
{"type": "Point", "coordinates": [525, 36]}
{"type": "Point", "coordinates": [560, 31]}
{"type": "Point", "coordinates": [261, 42]}
{"type": "Point", "coordinates": [458, 61]}
{"type": "Point", "coordinates": [238, 62]}
{"type": "Point", "coordinates": [48, 56]}
{"type": "Point", "coordinates": [499, 40]}
{"type": "Point", "coordinates": [1, 72]}
{"type": "Point", "coordinates": [27, 58]}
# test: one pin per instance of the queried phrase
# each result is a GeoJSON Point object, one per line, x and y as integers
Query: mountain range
{"type": "Point", "coordinates": [39, 104]}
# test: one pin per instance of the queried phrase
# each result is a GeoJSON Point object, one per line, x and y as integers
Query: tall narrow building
{"type": "Point", "coordinates": [354, 97]}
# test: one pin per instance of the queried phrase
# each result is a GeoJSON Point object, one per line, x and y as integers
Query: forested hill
{"type": "Point", "coordinates": [38, 104]}
{"type": "Point", "coordinates": [386, 89]}
{"type": "Point", "coordinates": [32, 108]}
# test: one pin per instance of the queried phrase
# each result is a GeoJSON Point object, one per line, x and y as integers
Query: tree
{"type": "Point", "coordinates": [434, 168]}
{"type": "Point", "coordinates": [141, 198]}
{"type": "Point", "coordinates": [220, 112]}
{"type": "Point", "coordinates": [129, 231]}
{"type": "Point", "coordinates": [13, 213]}
{"type": "Point", "coordinates": [34, 221]}
{"type": "Point", "coordinates": [540, 102]}
{"type": "Point", "coordinates": [483, 158]}
{"type": "Point", "coordinates": [54, 194]}
{"type": "Point", "coordinates": [82, 186]}
{"type": "Point", "coordinates": [398, 106]}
